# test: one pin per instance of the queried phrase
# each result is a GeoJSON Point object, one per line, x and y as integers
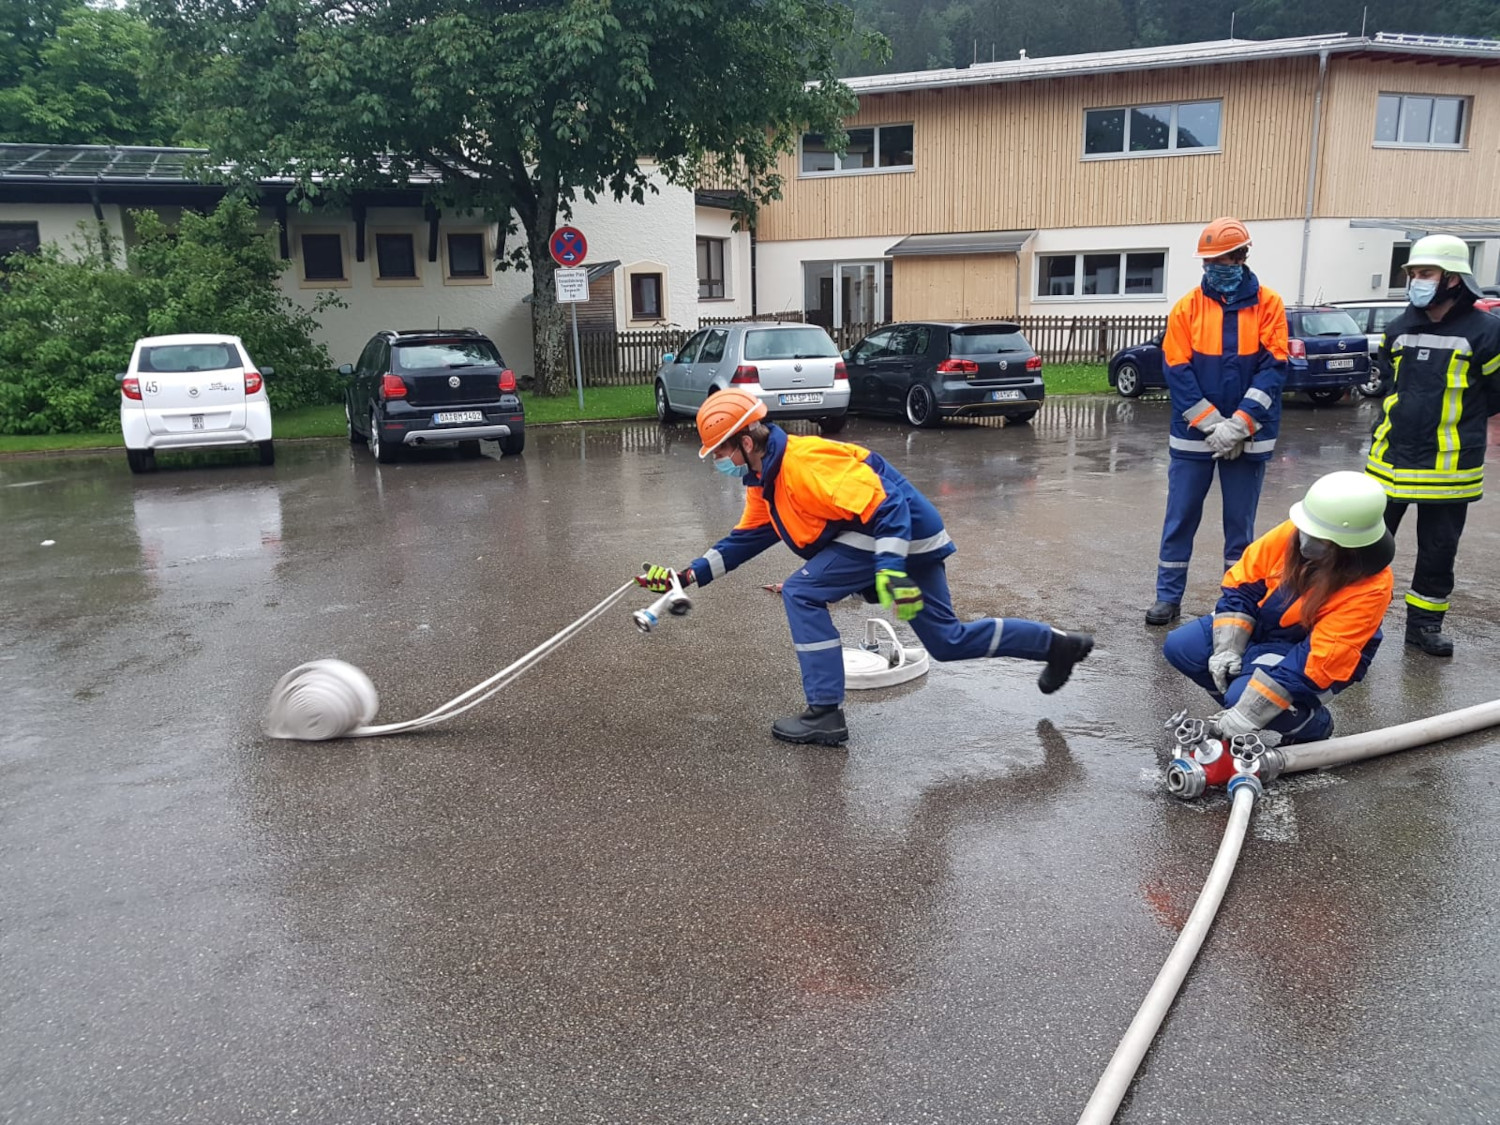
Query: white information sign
{"type": "Point", "coordinates": [572, 286]}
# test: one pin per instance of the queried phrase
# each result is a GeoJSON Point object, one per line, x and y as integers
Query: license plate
{"type": "Point", "coordinates": [197, 421]}
{"type": "Point", "coordinates": [803, 398]}
{"type": "Point", "coordinates": [1007, 396]}
{"type": "Point", "coordinates": [1340, 364]}
{"type": "Point", "coordinates": [457, 417]}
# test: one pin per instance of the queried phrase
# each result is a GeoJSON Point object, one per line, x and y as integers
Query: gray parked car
{"type": "Point", "coordinates": [795, 369]}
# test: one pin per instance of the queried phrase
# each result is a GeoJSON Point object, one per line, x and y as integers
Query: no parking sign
{"type": "Point", "coordinates": [568, 246]}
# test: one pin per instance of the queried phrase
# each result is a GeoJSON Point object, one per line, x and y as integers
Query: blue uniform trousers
{"type": "Point", "coordinates": [1188, 482]}
{"type": "Point", "coordinates": [832, 575]}
{"type": "Point", "coordinates": [1188, 647]}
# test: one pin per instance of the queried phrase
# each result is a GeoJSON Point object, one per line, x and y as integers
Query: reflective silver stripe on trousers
{"type": "Point", "coordinates": [818, 646]}
{"type": "Point", "coordinates": [995, 640]}
{"type": "Point", "coordinates": [715, 563]}
{"type": "Point", "coordinates": [1172, 565]}
{"type": "Point", "coordinates": [1255, 394]}
{"type": "Point", "coordinates": [893, 546]}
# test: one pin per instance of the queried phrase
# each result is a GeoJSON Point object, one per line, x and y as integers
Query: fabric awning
{"type": "Point", "coordinates": [971, 242]}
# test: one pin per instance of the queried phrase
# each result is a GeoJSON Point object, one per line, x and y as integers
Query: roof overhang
{"type": "Point", "coordinates": [1416, 228]}
{"type": "Point", "coordinates": [971, 242]}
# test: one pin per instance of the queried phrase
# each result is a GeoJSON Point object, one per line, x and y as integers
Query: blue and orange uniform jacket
{"type": "Point", "coordinates": [1323, 658]}
{"type": "Point", "coordinates": [1227, 354]}
{"type": "Point", "coordinates": [814, 495]}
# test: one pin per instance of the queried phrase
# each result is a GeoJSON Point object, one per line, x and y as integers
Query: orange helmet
{"type": "Point", "coordinates": [726, 414]}
{"type": "Point", "coordinates": [1222, 236]}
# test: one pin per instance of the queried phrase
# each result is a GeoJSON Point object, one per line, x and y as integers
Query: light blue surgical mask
{"type": "Point", "coordinates": [1222, 277]}
{"type": "Point", "coordinates": [1421, 293]}
{"type": "Point", "coordinates": [1312, 548]}
{"type": "Point", "coordinates": [729, 468]}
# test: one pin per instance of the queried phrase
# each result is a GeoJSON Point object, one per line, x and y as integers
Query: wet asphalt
{"type": "Point", "coordinates": [609, 896]}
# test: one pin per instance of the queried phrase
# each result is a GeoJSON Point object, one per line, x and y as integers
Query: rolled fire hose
{"type": "Point", "coordinates": [327, 699]}
{"type": "Point", "coordinates": [1112, 1085]}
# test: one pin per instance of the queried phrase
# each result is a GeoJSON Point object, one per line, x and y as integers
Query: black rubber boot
{"type": "Point", "coordinates": [822, 725]}
{"type": "Point", "coordinates": [1163, 613]}
{"type": "Point", "coordinates": [1066, 650]}
{"type": "Point", "coordinates": [1424, 629]}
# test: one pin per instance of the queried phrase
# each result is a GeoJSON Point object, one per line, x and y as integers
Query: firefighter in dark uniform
{"type": "Point", "coordinates": [1428, 446]}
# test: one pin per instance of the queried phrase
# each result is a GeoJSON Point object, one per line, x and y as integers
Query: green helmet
{"type": "Point", "coordinates": [1346, 508]}
{"type": "Point", "coordinates": [1449, 253]}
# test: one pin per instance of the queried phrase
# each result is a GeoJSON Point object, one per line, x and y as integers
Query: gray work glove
{"type": "Point", "coordinates": [1211, 423]}
{"type": "Point", "coordinates": [1223, 667]}
{"type": "Point", "coordinates": [1227, 440]}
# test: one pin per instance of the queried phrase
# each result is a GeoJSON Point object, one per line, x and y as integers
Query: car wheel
{"type": "Point", "coordinates": [921, 410]}
{"type": "Point", "coordinates": [1327, 397]}
{"type": "Point", "coordinates": [513, 444]}
{"type": "Point", "coordinates": [832, 425]}
{"type": "Point", "coordinates": [267, 451]}
{"type": "Point", "coordinates": [1374, 385]}
{"type": "Point", "coordinates": [384, 452]}
{"type": "Point", "coordinates": [469, 450]}
{"type": "Point", "coordinates": [1128, 380]}
{"type": "Point", "coordinates": [1020, 419]}
{"type": "Point", "coordinates": [355, 437]}
{"type": "Point", "coordinates": [140, 460]}
{"type": "Point", "coordinates": [664, 411]}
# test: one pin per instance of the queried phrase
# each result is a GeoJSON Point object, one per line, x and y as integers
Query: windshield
{"type": "Point", "coordinates": [1332, 323]}
{"type": "Point", "coordinates": [1385, 316]}
{"type": "Point", "coordinates": [789, 343]}
{"type": "Point", "coordinates": [441, 355]}
{"type": "Point", "coordinates": [170, 358]}
{"type": "Point", "coordinates": [987, 342]}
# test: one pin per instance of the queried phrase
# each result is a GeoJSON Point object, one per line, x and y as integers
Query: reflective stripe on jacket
{"type": "Point", "coordinates": [1338, 648]}
{"type": "Point", "coordinates": [813, 494]}
{"type": "Point", "coordinates": [1227, 354]}
{"type": "Point", "coordinates": [1430, 439]}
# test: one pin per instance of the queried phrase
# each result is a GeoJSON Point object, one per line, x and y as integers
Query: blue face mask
{"type": "Point", "coordinates": [1421, 293]}
{"type": "Point", "coordinates": [1223, 278]}
{"type": "Point", "coordinates": [727, 466]}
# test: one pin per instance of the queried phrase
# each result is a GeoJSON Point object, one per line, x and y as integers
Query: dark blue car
{"type": "Point", "coordinates": [1328, 356]}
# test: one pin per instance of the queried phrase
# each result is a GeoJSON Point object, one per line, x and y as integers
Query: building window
{"type": "Point", "coordinates": [872, 148]}
{"type": "Point", "coordinates": [466, 257]}
{"type": "Point", "coordinates": [1112, 273]}
{"type": "Point", "coordinates": [710, 268]}
{"type": "Point", "coordinates": [1402, 251]}
{"type": "Point", "coordinates": [395, 256]}
{"type": "Point", "coordinates": [323, 258]}
{"type": "Point", "coordinates": [1412, 121]}
{"type": "Point", "coordinates": [1151, 130]}
{"type": "Point", "coordinates": [645, 296]}
{"type": "Point", "coordinates": [19, 238]}
{"type": "Point", "coordinates": [840, 294]}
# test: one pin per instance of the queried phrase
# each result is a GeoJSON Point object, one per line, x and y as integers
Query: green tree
{"type": "Point", "coordinates": [524, 105]}
{"type": "Point", "coordinates": [71, 73]}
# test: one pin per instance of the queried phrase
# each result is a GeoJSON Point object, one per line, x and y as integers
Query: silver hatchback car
{"type": "Point", "coordinates": [795, 369]}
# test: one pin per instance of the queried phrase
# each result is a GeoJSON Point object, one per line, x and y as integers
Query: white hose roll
{"type": "Point", "coordinates": [1373, 743]}
{"type": "Point", "coordinates": [319, 700]}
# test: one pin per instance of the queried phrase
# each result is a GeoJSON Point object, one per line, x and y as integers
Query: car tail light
{"type": "Point", "coordinates": [1296, 348]}
{"type": "Point", "coordinates": [958, 367]}
{"type": "Point", "coordinates": [130, 387]}
{"type": "Point", "coordinates": [507, 381]}
{"type": "Point", "coordinates": [253, 381]}
{"type": "Point", "coordinates": [391, 386]}
{"type": "Point", "coordinates": [840, 371]}
{"type": "Point", "coordinates": [746, 373]}
{"type": "Point", "coordinates": [1034, 363]}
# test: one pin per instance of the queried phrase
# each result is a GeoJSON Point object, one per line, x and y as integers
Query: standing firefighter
{"type": "Point", "coordinates": [861, 528]}
{"type": "Point", "coordinates": [1225, 355]}
{"type": "Point", "coordinates": [1428, 447]}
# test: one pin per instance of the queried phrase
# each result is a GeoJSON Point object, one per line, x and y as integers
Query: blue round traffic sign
{"type": "Point", "coordinates": [569, 247]}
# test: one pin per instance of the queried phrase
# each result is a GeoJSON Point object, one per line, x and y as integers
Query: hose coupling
{"type": "Point", "coordinates": [1186, 779]}
{"type": "Point", "coordinates": [1242, 779]}
{"type": "Point", "coordinates": [1272, 764]}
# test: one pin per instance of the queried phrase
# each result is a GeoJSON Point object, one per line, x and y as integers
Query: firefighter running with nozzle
{"type": "Point", "coordinates": [862, 528]}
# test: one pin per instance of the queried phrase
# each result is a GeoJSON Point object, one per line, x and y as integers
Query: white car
{"type": "Point", "coordinates": [192, 392]}
{"type": "Point", "coordinates": [1372, 316]}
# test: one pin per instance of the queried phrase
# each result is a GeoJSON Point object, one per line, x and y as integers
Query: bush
{"type": "Point", "coordinates": [67, 324]}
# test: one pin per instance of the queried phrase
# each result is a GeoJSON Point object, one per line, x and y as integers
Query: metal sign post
{"type": "Point", "coordinates": [569, 248]}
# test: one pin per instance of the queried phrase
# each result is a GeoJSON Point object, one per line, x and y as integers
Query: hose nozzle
{"type": "Point", "coordinates": [674, 601]}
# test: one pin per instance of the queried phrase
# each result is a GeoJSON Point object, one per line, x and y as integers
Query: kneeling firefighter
{"type": "Point", "coordinates": [862, 529]}
{"type": "Point", "coordinates": [1299, 617]}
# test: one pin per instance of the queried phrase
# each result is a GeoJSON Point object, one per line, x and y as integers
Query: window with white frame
{"type": "Point", "coordinates": [1152, 130]}
{"type": "Point", "coordinates": [1419, 121]}
{"type": "Point", "coordinates": [710, 268]}
{"type": "Point", "coordinates": [872, 148]}
{"type": "Point", "coordinates": [1122, 274]}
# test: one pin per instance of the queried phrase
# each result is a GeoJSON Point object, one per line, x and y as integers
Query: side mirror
{"type": "Point", "coordinates": [120, 378]}
{"type": "Point", "coordinates": [845, 354]}
{"type": "Point", "coordinates": [346, 369]}
{"type": "Point", "coordinates": [668, 357]}
{"type": "Point", "coordinates": [264, 371]}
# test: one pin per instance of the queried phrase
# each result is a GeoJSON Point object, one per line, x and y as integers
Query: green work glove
{"type": "Point", "coordinates": [657, 579]}
{"type": "Point", "coordinates": [897, 592]}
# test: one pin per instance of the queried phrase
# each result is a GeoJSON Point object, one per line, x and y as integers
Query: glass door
{"type": "Point", "coordinates": [860, 286]}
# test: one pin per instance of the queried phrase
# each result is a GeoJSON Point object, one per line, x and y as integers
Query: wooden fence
{"type": "Point", "coordinates": [618, 359]}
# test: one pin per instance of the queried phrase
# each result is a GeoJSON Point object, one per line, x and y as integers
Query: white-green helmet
{"type": "Point", "coordinates": [1449, 253]}
{"type": "Point", "coordinates": [1346, 508]}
